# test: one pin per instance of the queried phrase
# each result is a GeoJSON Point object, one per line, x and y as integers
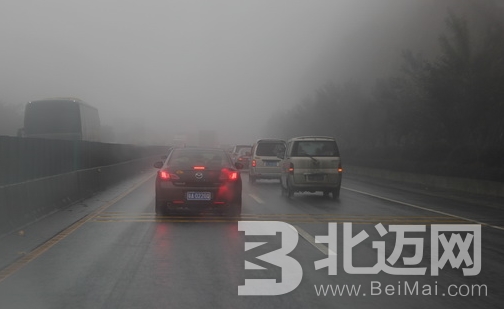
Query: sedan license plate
{"type": "Point", "coordinates": [198, 196]}
{"type": "Point", "coordinates": [270, 163]}
{"type": "Point", "coordinates": [318, 177]}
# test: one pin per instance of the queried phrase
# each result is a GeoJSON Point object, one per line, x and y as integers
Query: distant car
{"type": "Point", "coordinates": [310, 164]}
{"type": "Point", "coordinates": [198, 179]}
{"type": "Point", "coordinates": [244, 157]}
{"type": "Point", "coordinates": [236, 149]}
{"type": "Point", "coordinates": [264, 163]}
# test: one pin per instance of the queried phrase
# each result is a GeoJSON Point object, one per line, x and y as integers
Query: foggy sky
{"type": "Point", "coordinates": [178, 66]}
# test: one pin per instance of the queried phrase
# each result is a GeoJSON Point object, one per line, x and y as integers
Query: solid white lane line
{"type": "Point", "coordinates": [425, 208]}
{"type": "Point", "coordinates": [256, 198]}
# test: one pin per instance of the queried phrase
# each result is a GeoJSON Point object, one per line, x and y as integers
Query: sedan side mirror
{"type": "Point", "coordinates": [158, 164]}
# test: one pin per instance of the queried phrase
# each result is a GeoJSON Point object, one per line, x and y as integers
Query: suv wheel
{"type": "Point", "coordinates": [336, 193]}
{"type": "Point", "coordinates": [290, 190]}
{"type": "Point", "coordinates": [284, 190]}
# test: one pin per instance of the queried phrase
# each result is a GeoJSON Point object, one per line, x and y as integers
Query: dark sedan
{"type": "Point", "coordinates": [198, 179]}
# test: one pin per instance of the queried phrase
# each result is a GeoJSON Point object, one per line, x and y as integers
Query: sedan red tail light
{"type": "Point", "coordinates": [340, 169]}
{"type": "Point", "coordinates": [227, 174]}
{"type": "Point", "coordinates": [165, 175]}
{"type": "Point", "coordinates": [233, 175]}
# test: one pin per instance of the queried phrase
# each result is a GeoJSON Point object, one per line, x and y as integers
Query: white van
{"type": "Point", "coordinates": [310, 164]}
{"type": "Point", "coordinates": [264, 163]}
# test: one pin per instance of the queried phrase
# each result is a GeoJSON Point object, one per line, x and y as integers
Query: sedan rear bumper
{"type": "Point", "coordinates": [179, 197]}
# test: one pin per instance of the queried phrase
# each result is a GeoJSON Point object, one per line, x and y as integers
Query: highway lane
{"type": "Point", "coordinates": [122, 256]}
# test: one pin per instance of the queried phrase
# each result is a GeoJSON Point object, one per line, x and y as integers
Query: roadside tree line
{"type": "Point", "coordinates": [442, 115]}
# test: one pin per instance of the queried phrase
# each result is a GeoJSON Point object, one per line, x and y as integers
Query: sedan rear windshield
{"type": "Point", "coordinates": [315, 149]}
{"type": "Point", "coordinates": [190, 158]}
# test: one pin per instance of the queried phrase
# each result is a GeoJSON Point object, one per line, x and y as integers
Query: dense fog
{"type": "Point", "coordinates": [156, 69]}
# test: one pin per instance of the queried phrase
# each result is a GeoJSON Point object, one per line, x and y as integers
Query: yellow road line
{"type": "Point", "coordinates": [286, 221]}
{"type": "Point", "coordinates": [332, 215]}
{"type": "Point", "coordinates": [293, 218]}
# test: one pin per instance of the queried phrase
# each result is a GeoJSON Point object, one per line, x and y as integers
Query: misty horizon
{"type": "Point", "coordinates": [178, 67]}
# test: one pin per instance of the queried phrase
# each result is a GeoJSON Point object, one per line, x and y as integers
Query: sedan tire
{"type": "Point", "coordinates": [161, 208]}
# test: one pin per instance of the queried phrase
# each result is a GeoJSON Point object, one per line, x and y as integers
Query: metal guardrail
{"type": "Point", "coordinates": [23, 159]}
{"type": "Point", "coordinates": [28, 201]}
{"type": "Point", "coordinates": [475, 186]}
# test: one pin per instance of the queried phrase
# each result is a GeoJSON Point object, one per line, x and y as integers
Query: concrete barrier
{"type": "Point", "coordinates": [26, 202]}
{"type": "Point", "coordinates": [483, 187]}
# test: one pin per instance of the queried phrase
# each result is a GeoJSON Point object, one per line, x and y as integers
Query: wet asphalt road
{"type": "Point", "coordinates": [113, 252]}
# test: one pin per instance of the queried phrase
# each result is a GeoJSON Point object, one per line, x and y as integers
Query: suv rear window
{"type": "Point", "coordinates": [243, 151]}
{"type": "Point", "coordinates": [269, 149]}
{"type": "Point", "coordinates": [315, 148]}
{"type": "Point", "coordinates": [240, 147]}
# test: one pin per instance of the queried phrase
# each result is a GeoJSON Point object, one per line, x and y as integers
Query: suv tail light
{"type": "Point", "coordinates": [254, 163]}
{"type": "Point", "coordinates": [291, 168]}
{"type": "Point", "coordinates": [340, 169]}
{"type": "Point", "coordinates": [227, 174]}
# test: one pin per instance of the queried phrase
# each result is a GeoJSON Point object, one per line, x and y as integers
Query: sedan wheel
{"type": "Point", "coordinates": [161, 208]}
{"type": "Point", "coordinates": [235, 211]}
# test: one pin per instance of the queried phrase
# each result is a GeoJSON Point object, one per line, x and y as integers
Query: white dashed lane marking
{"type": "Point", "coordinates": [256, 198]}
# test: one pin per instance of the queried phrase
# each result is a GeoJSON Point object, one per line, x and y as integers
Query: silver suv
{"type": "Point", "coordinates": [310, 164]}
{"type": "Point", "coordinates": [264, 163]}
{"type": "Point", "coordinates": [236, 150]}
